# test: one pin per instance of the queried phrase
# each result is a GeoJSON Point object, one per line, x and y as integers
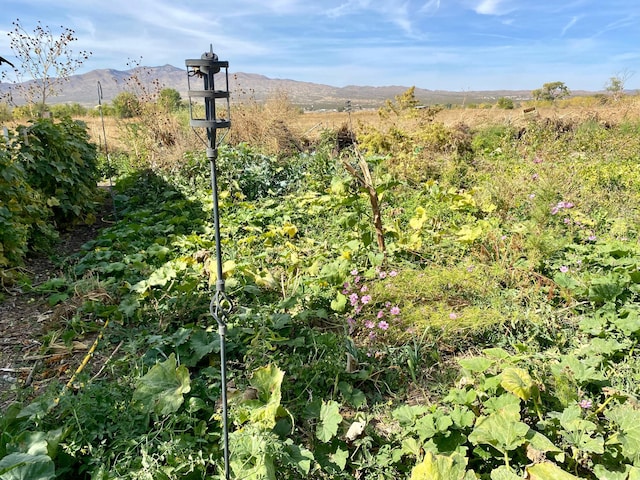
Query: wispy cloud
{"type": "Point", "coordinates": [428, 43]}
{"type": "Point", "coordinates": [491, 7]}
{"type": "Point", "coordinates": [571, 23]}
{"type": "Point", "coordinates": [430, 7]}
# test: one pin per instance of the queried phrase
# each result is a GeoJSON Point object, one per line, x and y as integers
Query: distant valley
{"type": "Point", "coordinates": [83, 89]}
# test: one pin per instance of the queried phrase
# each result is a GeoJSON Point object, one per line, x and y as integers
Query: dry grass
{"type": "Point", "coordinates": [278, 127]}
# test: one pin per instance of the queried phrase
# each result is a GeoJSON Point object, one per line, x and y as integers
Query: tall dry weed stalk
{"type": "Point", "coordinates": [270, 126]}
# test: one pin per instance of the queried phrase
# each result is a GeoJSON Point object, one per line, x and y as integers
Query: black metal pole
{"type": "Point", "coordinates": [220, 304]}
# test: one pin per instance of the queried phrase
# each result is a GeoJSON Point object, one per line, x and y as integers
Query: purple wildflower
{"type": "Point", "coordinates": [365, 299]}
{"type": "Point", "coordinates": [382, 325]}
{"type": "Point", "coordinates": [395, 310]}
{"type": "Point", "coordinates": [585, 403]}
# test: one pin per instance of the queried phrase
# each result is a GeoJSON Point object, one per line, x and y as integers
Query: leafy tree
{"type": "Point", "coordinates": [126, 105]}
{"type": "Point", "coordinates": [169, 100]}
{"type": "Point", "coordinates": [68, 110]}
{"type": "Point", "coordinates": [505, 103]}
{"type": "Point", "coordinates": [45, 58]}
{"type": "Point", "coordinates": [551, 91]}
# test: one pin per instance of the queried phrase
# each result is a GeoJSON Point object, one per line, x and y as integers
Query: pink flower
{"type": "Point", "coordinates": [537, 159]}
{"type": "Point", "coordinates": [365, 299]}
{"type": "Point", "coordinates": [354, 272]}
{"type": "Point", "coordinates": [380, 314]}
{"type": "Point", "coordinates": [585, 403]}
{"type": "Point", "coordinates": [364, 288]}
{"type": "Point", "coordinates": [382, 275]}
{"type": "Point", "coordinates": [535, 176]}
{"type": "Point", "coordinates": [382, 325]}
{"type": "Point", "coordinates": [369, 324]}
{"type": "Point", "coordinates": [353, 299]}
{"type": "Point", "coordinates": [453, 316]}
{"type": "Point", "coordinates": [564, 269]}
{"type": "Point", "coordinates": [395, 310]}
{"type": "Point", "coordinates": [592, 238]}
{"type": "Point", "coordinates": [393, 273]}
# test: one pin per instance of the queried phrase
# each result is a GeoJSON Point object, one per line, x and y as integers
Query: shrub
{"type": "Point", "coordinates": [505, 103]}
{"type": "Point", "coordinates": [23, 212]}
{"type": "Point", "coordinates": [61, 164]}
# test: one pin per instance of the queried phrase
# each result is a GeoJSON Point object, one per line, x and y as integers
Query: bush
{"type": "Point", "coordinates": [23, 212]}
{"type": "Point", "coordinates": [61, 164]}
{"type": "Point", "coordinates": [505, 103]}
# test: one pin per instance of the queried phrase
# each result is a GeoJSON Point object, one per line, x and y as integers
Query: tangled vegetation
{"type": "Point", "coordinates": [494, 336]}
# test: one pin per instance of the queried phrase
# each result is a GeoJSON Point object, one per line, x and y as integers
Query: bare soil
{"type": "Point", "coordinates": [26, 366]}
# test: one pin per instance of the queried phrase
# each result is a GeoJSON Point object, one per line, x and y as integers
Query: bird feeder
{"type": "Point", "coordinates": [209, 109]}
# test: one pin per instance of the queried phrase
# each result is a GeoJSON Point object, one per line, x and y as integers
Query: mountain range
{"type": "Point", "coordinates": [84, 89]}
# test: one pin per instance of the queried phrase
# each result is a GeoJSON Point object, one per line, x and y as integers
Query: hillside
{"type": "Point", "coordinates": [83, 89]}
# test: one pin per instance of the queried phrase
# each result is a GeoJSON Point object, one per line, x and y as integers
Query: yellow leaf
{"type": "Point", "coordinates": [53, 202]}
{"type": "Point", "coordinates": [548, 471]}
{"type": "Point", "coordinates": [289, 229]}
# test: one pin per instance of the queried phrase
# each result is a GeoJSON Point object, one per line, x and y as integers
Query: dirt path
{"type": "Point", "coordinates": [26, 317]}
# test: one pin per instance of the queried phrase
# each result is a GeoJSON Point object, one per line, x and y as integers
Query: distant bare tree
{"type": "Point", "coordinates": [615, 85]}
{"type": "Point", "coordinates": [45, 58]}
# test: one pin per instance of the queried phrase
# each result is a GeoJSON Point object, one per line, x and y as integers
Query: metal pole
{"type": "Point", "coordinates": [220, 306]}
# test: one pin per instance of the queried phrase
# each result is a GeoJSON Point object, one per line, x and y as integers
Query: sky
{"type": "Point", "coordinates": [455, 45]}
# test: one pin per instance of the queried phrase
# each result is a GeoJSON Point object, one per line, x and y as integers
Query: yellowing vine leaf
{"type": "Point", "coordinates": [442, 467]}
{"type": "Point", "coordinates": [517, 381]}
{"type": "Point", "coordinates": [548, 471]}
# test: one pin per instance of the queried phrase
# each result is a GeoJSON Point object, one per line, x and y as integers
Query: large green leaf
{"type": "Point", "coordinates": [502, 430]}
{"type": "Point", "coordinates": [24, 466]}
{"type": "Point", "coordinates": [330, 419]}
{"type": "Point", "coordinates": [504, 473]}
{"type": "Point", "coordinates": [628, 421]}
{"type": "Point", "coordinates": [475, 364]}
{"type": "Point", "coordinates": [162, 389]}
{"type": "Point", "coordinates": [265, 410]}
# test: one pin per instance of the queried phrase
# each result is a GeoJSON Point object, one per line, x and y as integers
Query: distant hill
{"type": "Point", "coordinates": [83, 89]}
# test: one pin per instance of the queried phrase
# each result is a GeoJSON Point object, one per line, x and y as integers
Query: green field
{"type": "Point", "coordinates": [485, 328]}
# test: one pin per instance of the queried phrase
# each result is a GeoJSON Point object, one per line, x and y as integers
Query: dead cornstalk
{"type": "Point", "coordinates": [366, 181]}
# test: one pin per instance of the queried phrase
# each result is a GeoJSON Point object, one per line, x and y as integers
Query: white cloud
{"type": "Point", "coordinates": [571, 23]}
{"type": "Point", "coordinates": [430, 7]}
{"type": "Point", "coordinates": [491, 7]}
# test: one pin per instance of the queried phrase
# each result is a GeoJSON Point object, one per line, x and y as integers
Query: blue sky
{"type": "Point", "coordinates": [453, 45]}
